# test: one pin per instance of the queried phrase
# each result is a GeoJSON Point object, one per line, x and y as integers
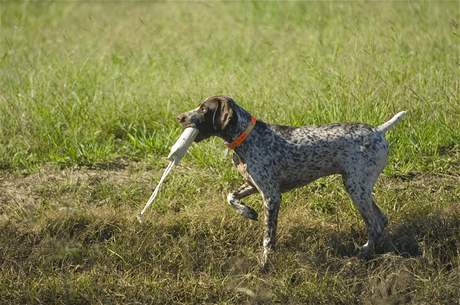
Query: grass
{"type": "Point", "coordinates": [88, 96]}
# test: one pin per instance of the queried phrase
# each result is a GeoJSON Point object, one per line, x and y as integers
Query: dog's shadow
{"type": "Point", "coordinates": [401, 239]}
{"type": "Point", "coordinates": [434, 234]}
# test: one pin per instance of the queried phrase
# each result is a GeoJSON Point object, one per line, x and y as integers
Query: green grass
{"type": "Point", "coordinates": [84, 83]}
{"type": "Point", "coordinates": [88, 96]}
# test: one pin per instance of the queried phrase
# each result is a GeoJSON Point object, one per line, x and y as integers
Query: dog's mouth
{"type": "Point", "coordinates": [187, 125]}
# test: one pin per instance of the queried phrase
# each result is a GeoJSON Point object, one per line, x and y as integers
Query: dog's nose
{"type": "Point", "coordinates": [181, 118]}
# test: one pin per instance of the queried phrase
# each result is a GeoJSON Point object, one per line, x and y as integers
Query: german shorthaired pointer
{"type": "Point", "coordinates": [274, 159]}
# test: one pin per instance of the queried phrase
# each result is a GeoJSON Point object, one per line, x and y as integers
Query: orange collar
{"type": "Point", "coordinates": [243, 136]}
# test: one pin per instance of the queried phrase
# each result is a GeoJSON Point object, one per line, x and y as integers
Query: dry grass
{"type": "Point", "coordinates": [69, 236]}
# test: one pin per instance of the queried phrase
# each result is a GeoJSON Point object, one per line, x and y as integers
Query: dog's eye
{"type": "Point", "coordinates": [203, 109]}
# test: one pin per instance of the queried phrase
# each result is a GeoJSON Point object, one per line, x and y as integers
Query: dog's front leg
{"type": "Point", "coordinates": [267, 184]}
{"type": "Point", "coordinates": [234, 199]}
{"type": "Point", "coordinates": [272, 201]}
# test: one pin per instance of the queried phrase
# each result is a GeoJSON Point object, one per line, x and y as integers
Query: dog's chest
{"type": "Point", "coordinates": [241, 166]}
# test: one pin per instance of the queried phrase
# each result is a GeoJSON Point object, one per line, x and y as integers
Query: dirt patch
{"type": "Point", "coordinates": [54, 182]}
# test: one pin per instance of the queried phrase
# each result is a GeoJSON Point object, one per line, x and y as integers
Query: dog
{"type": "Point", "coordinates": [274, 159]}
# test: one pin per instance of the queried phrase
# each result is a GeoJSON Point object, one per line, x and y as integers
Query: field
{"type": "Point", "coordinates": [88, 96]}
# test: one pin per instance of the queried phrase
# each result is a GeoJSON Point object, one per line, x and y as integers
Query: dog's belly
{"type": "Point", "coordinates": [302, 176]}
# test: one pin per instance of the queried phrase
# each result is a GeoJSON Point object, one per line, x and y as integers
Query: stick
{"type": "Point", "coordinates": [157, 190]}
{"type": "Point", "coordinates": [178, 150]}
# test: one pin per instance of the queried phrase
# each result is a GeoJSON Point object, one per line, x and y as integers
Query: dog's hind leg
{"type": "Point", "coordinates": [360, 190]}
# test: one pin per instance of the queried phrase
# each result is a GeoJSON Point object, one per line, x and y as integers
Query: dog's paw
{"type": "Point", "coordinates": [265, 262]}
{"type": "Point", "coordinates": [264, 268]}
{"type": "Point", "coordinates": [249, 212]}
{"type": "Point", "coordinates": [366, 252]}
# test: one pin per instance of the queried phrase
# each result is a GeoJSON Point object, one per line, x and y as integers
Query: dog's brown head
{"type": "Point", "coordinates": [211, 118]}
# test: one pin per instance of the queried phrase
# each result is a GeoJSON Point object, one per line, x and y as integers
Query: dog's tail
{"type": "Point", "coordinates": [387, 125]}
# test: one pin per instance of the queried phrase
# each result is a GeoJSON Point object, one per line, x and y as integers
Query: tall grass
{"type": "Point", "coordinates": [89, 82]}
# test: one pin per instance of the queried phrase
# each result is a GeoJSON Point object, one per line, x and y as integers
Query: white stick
{"type": "Point", "coordinates": [178, 150]}
{"type": "Point", "coordinates": [182, 144]}
{"type": "Point", "coordinates": [157, 190]}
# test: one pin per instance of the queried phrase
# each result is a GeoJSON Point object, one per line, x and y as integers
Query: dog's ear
{"type": "Point", "coordinates": [222, 115]}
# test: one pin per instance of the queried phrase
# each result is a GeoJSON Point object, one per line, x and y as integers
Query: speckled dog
{"type": "Point", "coordinates": [274, 159]}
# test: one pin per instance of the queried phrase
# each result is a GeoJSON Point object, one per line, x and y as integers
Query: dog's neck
{"type": "Point", "coordinates": [238, 124]}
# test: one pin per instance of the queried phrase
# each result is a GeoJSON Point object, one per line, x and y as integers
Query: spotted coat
{"type": "Point", "coordinates": [275, 159]}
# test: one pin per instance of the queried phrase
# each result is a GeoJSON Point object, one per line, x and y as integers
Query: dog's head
{"type": "Point", "coordinates": [211, 118]}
